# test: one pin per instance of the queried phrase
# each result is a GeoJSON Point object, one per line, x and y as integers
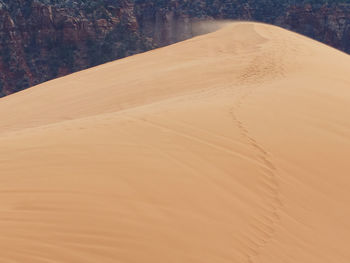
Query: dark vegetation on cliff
{"type": "Point", "coordinates": [44, 39]}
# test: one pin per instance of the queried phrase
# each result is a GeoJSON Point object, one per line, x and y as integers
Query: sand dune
{"type": "Point", "coordinates": [229, 147]}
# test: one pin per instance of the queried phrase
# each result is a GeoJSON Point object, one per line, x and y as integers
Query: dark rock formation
{"type": "Point", "coordinates": [44, 39]}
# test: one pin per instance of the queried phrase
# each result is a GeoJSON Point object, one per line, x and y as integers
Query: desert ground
{"type": "Point", "coordinates": [232, 146]}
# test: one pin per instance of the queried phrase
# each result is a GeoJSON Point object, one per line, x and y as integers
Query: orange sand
{"type": "Point", "coordinates": [229, 147]}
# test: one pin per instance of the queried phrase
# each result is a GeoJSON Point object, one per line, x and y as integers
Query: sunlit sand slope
{"type": "Point", "coordinates": [229, 147]}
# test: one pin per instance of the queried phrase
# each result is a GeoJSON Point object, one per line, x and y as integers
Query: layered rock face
{"type": "Point", "coordinates": [44, 39]}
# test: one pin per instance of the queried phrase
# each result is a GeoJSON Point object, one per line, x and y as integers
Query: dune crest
{"type": "Point", "coordinates": [229, 147]}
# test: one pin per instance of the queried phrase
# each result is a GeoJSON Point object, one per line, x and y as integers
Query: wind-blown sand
{"type": "Point", "coordinates": [229, 147]}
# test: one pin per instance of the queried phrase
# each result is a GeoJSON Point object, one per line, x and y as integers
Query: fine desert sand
{"type": "Point", "coordinates": [233, 146]}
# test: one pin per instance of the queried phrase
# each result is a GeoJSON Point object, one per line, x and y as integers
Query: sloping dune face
{"type": "Point", "coordinates": [229, 147]}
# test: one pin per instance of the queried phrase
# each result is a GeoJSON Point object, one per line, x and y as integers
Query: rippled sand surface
{"type": "Point", "coordinates": [229, 147]}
